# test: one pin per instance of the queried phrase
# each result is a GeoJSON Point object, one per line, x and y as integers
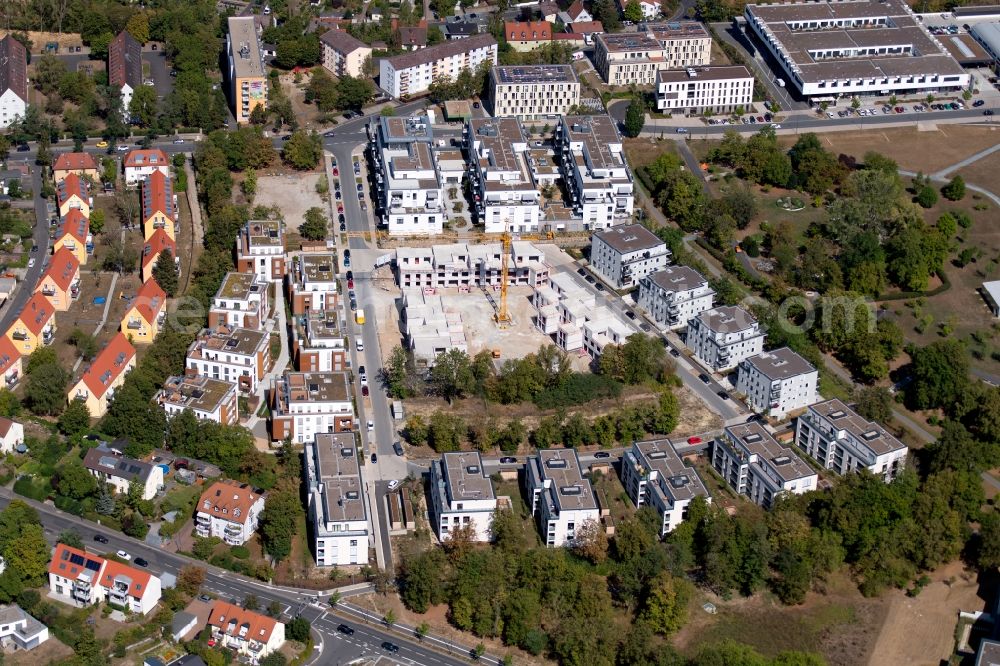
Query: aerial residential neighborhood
{"type": "Point", "coordinates": [610, 332]}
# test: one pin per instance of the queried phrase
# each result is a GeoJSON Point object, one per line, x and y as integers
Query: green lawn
{"type": "Point", "coordinates": [181, 498]}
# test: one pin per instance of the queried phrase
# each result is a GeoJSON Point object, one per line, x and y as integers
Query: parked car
{"type": "Point", "coordinates": [398, 448]}
{"type": "Point", "coordinates": [139, 562]}
{"type": "Point", "coordinates": [602, 454]}
{"type": "Point", "coordinates": [723, 395]}
{"type": "Point", "coordinates": [123, 555]}
{"type": "Point", "coordinates": [682, 130]}
{"type": "Point", "coordinates": [374, 458]}
{"type": "Point", "coordinates": [508, 460]}
{"type": "Point", "coordinates": [694, 440]}
{"type": "Point", "coordinates": [371, 425]}
{"type": "Point", "coordinates": [979, 103]}
{"type": "Point", "coordinates": [674, 352]}
{"type": "Point", "coordinates": [393, 485]}
{"type": "Point", "coordinates": [704, 378]}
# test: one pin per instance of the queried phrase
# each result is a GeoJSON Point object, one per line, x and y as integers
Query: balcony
{"type": "Point", "coordinates": [136, 324]}
{"type": "Point", "coordinates": [233, 530]}
{"type": "Point", "coordinates": [11, 379]}
{"type": "Point", "coordinates": [49, 291]}
{"type": "Point", "coordinates": [202, 519]}
{"type": "Point", "coordinates": [81, 396]}
{"type": "Point", "coordinates": [48, 334]}
{"type": "Point", "coordinates": [20, 335]}
{"type": "Point", "coordinates": [74, 290]}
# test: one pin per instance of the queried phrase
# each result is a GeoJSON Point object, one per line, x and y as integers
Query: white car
{"type": "Point", "coordinates": [371, 425]}
{"type": "Point", "coordinates": [122, 148]}
{"type": "Point", "coordinates": [31, 262]}
{"type": "Point", "coordinates": [359, 345]}
{"type": "Point", "coordinates": [775, 126]}
{"type": "Point", "coordinates": [393, 484]}
{"type": "Point", "coordinates": [123, 555]}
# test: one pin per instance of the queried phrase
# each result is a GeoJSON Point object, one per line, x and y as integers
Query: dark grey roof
{"type": "Point", "coordinates": [105, 460]}
{"type": "Point", "coordinates": [125, 61]}
{"type": "Point", "coordinates": [780, 364]}
{"type": "Point", "coordinates": [342, 41]}
{"type": "Point", "coordinates": [440, 51]}
{"type": "Point", "coordinates": [629, 238]}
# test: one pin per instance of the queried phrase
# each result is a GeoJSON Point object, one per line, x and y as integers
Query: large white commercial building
{"type": "Point", "coordinates": [841, 440]}
{"type": "Point", "coordinates": [828, 50]}
{"type": "Point", "coordinates": [624, 59]}
{"type": "Point", "coordinates": [623, 255]}
{"type": "Point", "coordinates": [413, 72]}
{"type": "Point", "coordinates": [757, 466]}
{"type": "Point", "coordinates": [561, 498]}
{"type": "Point", "coordinates": [409, 193]}
{"type": "Point", "coordinates": [336, 501]}
{"type": "Point", "coordinates": [674, 295]}
{"type": "Point", "coordinates": [533, 91]}
{"type": "Point", "coordinates": [462, 496]}
{"type": "Point", "coordinates": [724, 336]}
{"type": "Point", "coordinates": [699, 89]}
{"type": "Point", "coordinates": [596, 174]}
{"type": "Point", "coordinates": [229, 510]}
{"type": "Point", "coordinates": [778, 382]}
{"type": "Point", "coordinates": [654, 475]}
{"type": "Point", "coordinates": [506, 196]}
{"type": "Point", "coordinates": [470, 265]}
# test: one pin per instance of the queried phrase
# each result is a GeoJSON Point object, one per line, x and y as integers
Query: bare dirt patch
{"type": "Point", "coordinates": [984, 172]}
{"type": "Point", "coordinates": [292, 193]}
{"type": "Point", "coordinates": [643, 151]}
{"type": "Point", "coordinates": [921, 630]}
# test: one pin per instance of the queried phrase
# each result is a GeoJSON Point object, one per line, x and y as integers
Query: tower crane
{"type": "Point", "coordinates": [503, 314]}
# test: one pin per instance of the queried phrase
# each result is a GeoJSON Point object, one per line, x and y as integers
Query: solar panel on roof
{"type": "Point", "coordinates": [93, 565]}
{"type": "Point", "coordinates": [571, 490]}
{"type": "Point", "coordinates": [657, 454]}
{"type": "Point", "coordinates": [76, 559]}
{"type": "Point", "coordinates": [556, 463]}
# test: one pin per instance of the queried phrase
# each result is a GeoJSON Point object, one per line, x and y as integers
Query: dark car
{"type": "Point", "coordinates": [602, 454]}
{"type": "Point", "coordinates": [978, 102]}
{"type": "Point", "coordinates": [590, 279]}
{"type": "Point", "coordinates": [630, 314]}
{"type": "Point", "coordinates": [139, 562]}
{"type": "Point", "coordinates": [341, 218]}
{"type": "Point", "coordinates": [754, 418]}
{"type": "Point", "coordinates": [23, 148]}
{"type": "Point", "coordinates": [723, 395]}
{"type": "Point", "coordinates": [354, 305]}
{"type": "Point", "coordinates": [350, 275]}
{"type": "Point", "coordinates": [364, 394]}
{"type": "Point", "coordinates": [645, 328]}
{"type": "Point", "coordinates": [475, 105]}
{"type": "Point", "coordinates": [674, 352]}
{"type": "Point", "coordinates": [374, 458]}
{"type": "Point", "coordinates": [398, 448]}
{"type": "Point", "coordinates": [360, 187]}
{"type": "Point", "coordinates": [705, 378]}
{"type": "Point", "coordinates": [337, 194]}
{"type": "Point", "coordinates": [344, 629]}
{"type": "Point", "coordinates": [205, 598]}
{"type": "Point", "coordinates": [599, 286]}
{"type": "Point", "coordinates": [361, 370]}
{"type": "Point", "coordinates": [508, 460]}
{"type": "Point", "coordinates": [100, 538]}
{"type": "Point", "coordinates": [582, 271]}
{"type": "Point", "coordinates": [390, 647]}
{"type": "Point", "coordinates": [343, 226]}
{"type": "Point", "coordinates": [286, 137]}
{"type": "Point", "coordinates": [988, 112]}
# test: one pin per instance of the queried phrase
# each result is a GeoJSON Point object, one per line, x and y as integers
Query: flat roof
{"type": "Point", "coordinates": [867, 433]}
{"type": "Point", "coordinates": [628, 41]}
{"type": "Point", "coordinates": [599, 138]}
{"type": "Point", "coordinates": [570, 490]}
{"type": "Point", "coordinates": [989, 34]}
{"type": "Point", "coordinates": [305, 387]}
{"type": "Point", "coordinates": [678, 278]}
{"type": "Point", "coordinates": [523, 74]}
{"type": "Point", "coordinates": [627, 238]}
{"type": "Point", "coordinates": [261, 233]}
{"type": "Point", "coordinates": [318, 267]}
{"type": "Point", "coordinates": [759, 442]}
{"type": "Point", "coordinates": [195, 392]}
{"type": "Point", "coordinates": [695, 74]}
{"type": "Point", "coordinates": [465, 477]}
{"type": "Point", "coordinates": [861, 24]}
{"type": "Point", "coordinates": [245, 47]}
{"type": "Point", "coordinates": [494, 149]}
{"type": "Point", "coordinates": [727, 319]}
{"type": "Point", "coordinates": [411, 128]}
{"type": "Point", "coordinates": [340, 474]}
{"type": "Point", "coordinates": [676, 478]}
{"type": "Point", "coordinates": [243, 341]}
{"type": "Point", "coordinates": [664, 30]}
{"type": "Point", "coordinates": [966, 50]}
{"type": "Point", "coordinates": [780, 364]}
{"type": "Point", "coordinates": [239, 286]}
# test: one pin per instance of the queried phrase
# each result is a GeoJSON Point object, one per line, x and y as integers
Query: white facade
{"type": "Point", "coordinates": [777, 382]}
{"type": "Point", "coordinates": [20, 631]}
{"type": "Point", "coordinates": [462, 496]}
{"type": "Point", "coordinates": [249, 634]}
{"type": "Point", "coordinates": [336, 501]}
{"type": "Point", "coordinates": [409, 191]}
{"type": "Point", "coordinates": [239, 355]}
{"type": "Point", "coordinates": [12, 108]}
{"type": "Point", "coordinates": [141, 163]}
{"type": "Point", "coordinates": [312, 283]}
{"type": "Point", "coordinates": [699, 89]}
{"type": "Point", "coordinates": [828, 50]}
{"type": "Point", "coordinates": [343, 54]}
{"type": "Point", "coordinates": [413, 72]}
{"type": "Point", "coordinates": [755, 465]}
{"type": "Point", "coordinates": [635, 57]}
{"type": "Point", "coordinates": [306, 404]}
{"type": "Point", "coordinates": [111, 468]}
{"type": "Point", "coordinates": [432, 327]}
{"type": "Point", "coordinates": [569, 313]}
{"type": "Point", "coordinates": [82, 579]}
{"type": "Point", "coordinates": [841, 440]}
{"type": "Point", "coordinates": [654, 475]}
{"type": "Point", "coordinates": [260, 249]}
{"type": "Point", "coordinates": [561, 498]}
{"type": "Point", "coordinates": [11, 435]}
{"type": "Point", "coordinates": [506, 197]}
{"type": "Point", "coordinates": [230, 511]}
{"type": "Point", "coordinates": [674, 295]}
{"type": "Point", "coordinates": [240, 302]}
{"type": "Point", "coordinates": [469, 265]}
{"type": "Point", "coordinates": [533, 91]}
{"type": "Point", "coordinates": [623, 255]}
{"type": "Point", "coordinates": [595, 171]}
{"type": "Point", "coordinates": [724, 336]}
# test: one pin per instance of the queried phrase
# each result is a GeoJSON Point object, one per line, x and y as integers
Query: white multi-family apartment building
{"type": "Point", "coordinates": [240, 302]}
{"type": "Point", "coordinates": [569, 313]}
{"type": "Point", "coordinates": [342, 54]}
{"type": "Point", "coordinates": [755, 465]}
{"type": "Point", "coordinates": [250, 634]}
{"type": "Point", "coordinates": [470, 265]}
{"type": "Point", "coordinates": [237, 355]}
{"type": "Point", "coordinates": [312, 283]}
{"type": "Point", "coordinates": [260, 249]}
{"type": "Point", "coordinates": [674, 295]}
{"type": "Point", "coordinates": [208, 399]}
{"type": "Point", "coordinates": [561, 498]}
{"type": "Point", "coordinates": [118, 471]}
{"type": "Point", "coordinates": [828, 50]}
{"type": "Point", "coordinates": [533, 91]}
{"type": "Point", "coordinates": [229, 510]}
{"type": "Point", "coordinates": [625, 254]}
{"type": "Point", "coordinates": [336, 501]}
{"type": "Point", "coordinates": [698, 89]}
{"type": "Point", "coordinates": [432, 327]}
{"type": "Point", "coordinates": [624, 59]}
{"type": "Point", "coordinates": [595, 171]}
{"type": "Point", "coordinates": [724, 336]}
{"type": "Point", "coordinates": [654, 475]}
{"type": "Point", "coordinates": [506, 197]}
{"type": "Point", "coordinates": [409, 193]}
{"type": "Point", "coordinates": [777, 382]}
{"type": "Point", "coordinates": [413, 72]}
{"type": "Point", "coordinates": [462, 496]}
{"type": "Point", "coordinates": [305, 404]}
{"type": "Point", "coordinates": [13, 81]}
{"type": "Point", "coordinates": [843, 441]}
{"type": "Point", "coordinates": [318, 343]}
{"type": "Point", "coordinates": [82, 579]}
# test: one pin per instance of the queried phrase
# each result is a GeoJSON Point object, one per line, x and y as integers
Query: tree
{"type": "Point", "coordinates": [926, 196]}
{"type": "Point", "coordinates": [591, 541]}
{"type": "Point", "coordinates": [940, 375]}
{"type": "Point", "coordinates": [165, 272]}
{"type": "Point", "coordinates": [633, 12]}
{"type": "Point", "coordinates": [274, 659]}
{"type": "Point", "coordinates": [45, 390]}
{"type": "Point", "coordinates": [142, 106]}
{"type": "Point", "coordinates": [874, 403]}
{"type": "Point", "coordinates": [606, 12]}
{"type": "Point", "coordinates": [399, 374]}
{"type": "Point", "coordinates": [665, 610]}
{"type": "Point", "coordinates": [278, 521]}
{"type": "Point", "coordinates": [70, 538]}
{"type": "Point", "coordinates": [322, 90]}
{"type": "Point", "coordinates": [451, 377]}
{"type": "Point", "coordinates": [954, 190]}
{"type": "Point", "coordinates": [75, 420]}
{"type": "Point", "coordinates": [28, 554]}
{"type": "Point", "coordinates": [303, 150]}
{"type": "Point", "coordinates": [190, 579]}
{"type": "Point", "coordinates": [96, 221]}
{"type": "Point", "coordinates": [314, 225]}
{"type": "Point", "coordinates": [10, 406]}
{"type": "Point", "coordinates": [251, 602]}
{"type": "Point", "coordinates": [635, 118]}
{"type": "Point", "coordinates": [445, 432]}
{"type": "Point", "coordinates": [85, 343]}
{"type": "Point", "coordinates": [75, 481]}
{"type": "Point", "coordinates": [298, 630]}
{"type": "Point", "coordinates": [353, 93]}
{"type": "Point", "coordinates": [249, 185]}
{"type": "Point", "coordinates": [138, 27]}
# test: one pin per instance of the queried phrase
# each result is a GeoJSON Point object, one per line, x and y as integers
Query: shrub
{"type": "Point", "coordinates": [577, 389]}
{"type": "Point", "coordinates": [240, 552]}
{"type": "Point", "coordinates": [27, 488]}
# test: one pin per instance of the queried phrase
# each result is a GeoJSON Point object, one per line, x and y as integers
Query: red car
{"type": "Point", "coordinates": [340, 207]}
{"type": "Point", "coordinates": [336, 171]}
{"type": "Point", "coordinates": [350, 284]}
{"type": "Point", "coordinates": [694, 440]}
